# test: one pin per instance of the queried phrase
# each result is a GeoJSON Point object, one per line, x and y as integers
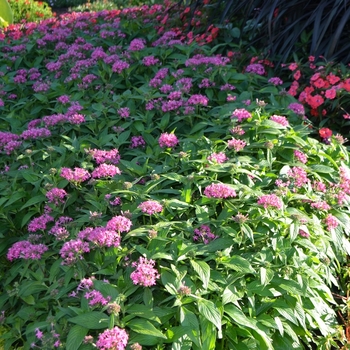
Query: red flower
{"type": "Point", "coordinates": [325, 133]}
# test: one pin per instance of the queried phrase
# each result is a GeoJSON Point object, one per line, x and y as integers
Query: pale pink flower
{"type": "Point", "coordinates": [119, 223]}
{"type": "Point", "coordinates": [302, 157]}
{"type": "Point", "coordinates": [150, 207]}
{"type": "Point", "coordinates": [331, 222]}
{"type": "Point", "coordinates": [105, 170]}
{"type": "Point", "coordinates": [270, 200]}
{"type": "Point", "coordinates": [218, 158]}
{"type": "Point", "coordinates": [280, 120]}
{"type": "Point", "coordinates": [219, 191]}
{"type": "Point", "coordinates": [236, 144]}
{"type": "Point", "coordinates": [77, 175]}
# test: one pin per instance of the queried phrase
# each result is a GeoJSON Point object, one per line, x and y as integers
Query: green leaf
{"type": "Point", "coordinates": [6, 12]}
{"type": "Point", "coordinates": [75, 337]}
{"type": "Point", "coordinates": [91, 320]}
{"type": "Point", "coordinates": [238, 263]}
{"type": "Point", "coordinates": [143, 326]}
{"type": "Point", "coordinates": [34, 200]}
{"type": "Point", "coordinates": [203, 270]}
{"type": "Point", "coordinates": [208, 310]}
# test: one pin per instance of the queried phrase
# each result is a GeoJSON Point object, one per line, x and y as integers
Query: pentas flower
{"type": "Point", "coordinates": [59, 230]}
{"type": "Point", "coordinates": [56, 196]}
{"type": "Point", "coordinates": [150, 61]}
{"type": "Point", "coordinates": [168, 140]}
{"type": "Point", "coordinates": [77, 175]}
{"type": "Point", "coordinates": [302, 157]}
{"type": "Point", "coordinates": [96, 298]}
{"type": "Point", "coordinates": [102, 156]}
{"type": "Point", "coordinates": [297, 108]}
{"type": "Point", "coordinates": [275, 81]}
{"type": "Point", "coordinates": [203, 234]}
{"type": "Point", "coordinates": [35, 133]}
{"type": "Point", "coordinates": [236, 144]}
{"type": "Point", "coordinates": [73, 250]}
{"type": "Point", "coordinates": [39, 223]}
{"type": "Point", "coordinates": [298, 175]}
{"type": "Point", "coordinates": [270, 200]}
{"type": "Point", "coordinates": [137, 141]}
{"type": "Point", "coordinates": [124, 112]}
{"type": "Point", "coordinates": [150, 207]}
{"type": "Point", "coordinates": [331, 222]}
{"type": "Point", "coordinates": [241, 114]}
{"type": "Point", "coordinates": [198, 100]}
{"type": "Point", "coordinates": [112, 339]}
{"type": "Point", "coordinates": [256, 68]}
{"type": "Point", "coordinates": [119, 223]}
{"type": "Point", "coordinates": [105, 170]}
{"type": "Point", "coordinates": [218, 158]}
{"type": "Point", "coordinates": [322, 205]}
{"type": "Point", "coordinates": [219, 191]}
{"type": "Point", "coordinates": [145, 274]}
{"type": "Point", "coordinates": [26, 250]}
{"type": "Point", "coordinates": [100, 236]}
{"type": "Point", "coordinates": [280, 120]}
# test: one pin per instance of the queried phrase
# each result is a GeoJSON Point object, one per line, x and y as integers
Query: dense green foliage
{"type": "Point", "coordinates": [160, 192]}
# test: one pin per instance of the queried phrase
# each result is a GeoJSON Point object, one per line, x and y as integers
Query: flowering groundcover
{"type": "Point", "coordinates": [155, 197]}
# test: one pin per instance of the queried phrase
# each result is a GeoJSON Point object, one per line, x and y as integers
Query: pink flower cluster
{"type": "Point", "coordinates": [124, 112]}
{"type": "Point", "coordinates": [137, 44]}
{"type": "Point", "coordinates": [203, 234]}
{"type": "Point", "coordinates": [270, 200]}
{"type": "Point", "coordinates": [73, 250]}
{"type": "Point", "coordinates": [100, 236]}
{"type": "Point", "coordinates": [218, 158]}
{"type": "Point", "coordinates": [56, 196]}
{"type": "Point", "coordinates": [145, 273]}
{"type": "Point", "coordinates": [256, 68]}
{"type": "Point", "coordinates": [331, 222]}
{"type": "Point", "coordinates": [241, 114]}
{"type": "Point", "coordinates": [280, 120]}
{"type": "Point", "coordinates": [219, 191]}
{"type": "Point", "coordinates": [299, 176]}
{"type": "Point", "coordinates": [26, 250]}
{"type": "Point", "coordinates": [101, 156]}
{"type": "Point", "coordinates": [96, 298]}
{"type": "Point", "coordinates": [119, 223]}
{"type": "Point", "coordinates": [77, 175]}
{"type": "Point", "coordinates": [137, 141]}
{"type": "Point", "coordinates": [105, 170]}
{"type": "Point", "coordinates": [168, 140]}
{"type": "Point", "coordinates": [39, 223]}
{"type": "Point", "coordinates": [112, 339]}
{"type": "Point", "coordinates": [150, 207]}
{"type": "Point", "coordinates": [302, 157]}
{"type": "Point", "coordinates": [236, 144]}
{"type": "Point", "coordinates": [59, 230]}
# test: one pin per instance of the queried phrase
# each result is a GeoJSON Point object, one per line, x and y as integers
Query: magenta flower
{"type": "Point", "coordinates": [270, 200]}
{"type": "Point", "coordinates": [137, 141]}
{"type": "Point", "coordinates": [275, 81]}
{"type": "Point", "coordinates": [26, 250]}
{"type": "Point", "coordinates": [124, 112]}
{"type": "Point", "coordinates": [198, 100]}
{"type": "Point", "coordinates": [112, 339]}
{"type": "Point", "coordinates": [101, 156]}
{"type": "Point", "coordinates": [96, 298]}
{"type": "Point", "coordinates": [137, 44]}
{"type": "Point", "coordinates": [256, 68]}
{"type": "Point", "coordinates": [241, 114]}
{"type": "Point", "coordinates": [39, 223]}
{"type": "Point", "coordinates": [73, 250]}
{"type": "Point", "coordinates": [35, 133]}
{"type": "Point", "coordinates": [203, 234]}
{"type": "Point", "coordinates": [119, 223]}
{"type": "Point", "coordinates": [105, 170]}
{"type": "Point", "coordinates": [145, 273]}
{"type": "Point", "coordinates": [219, 191]}
{"type": "Point", "coordinates": [56, 196]}
{"type": "Point", "coordinates": [297, 108]}
{"type": "Point", "coordinates": [150, 207]}
{"type": "Point", "coordinates": [77, 175]}
{"type": "Point", "coordinates": [168, 140]}
{"type": "Point", "coordinates": [100, 236]}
